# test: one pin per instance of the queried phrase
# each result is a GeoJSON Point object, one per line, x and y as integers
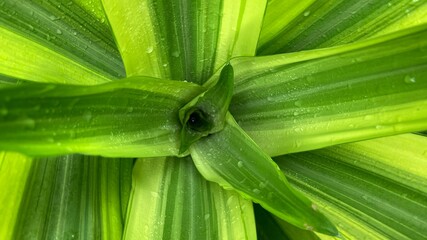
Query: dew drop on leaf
{"type": "Point", "coordinates": [240, 164]}
{"type": "Point", "coordinates": [149, 49]}
{"type": "Point", "coordinates": [409, 79]}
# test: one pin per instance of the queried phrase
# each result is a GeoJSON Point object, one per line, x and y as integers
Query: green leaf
{"type": "Point", "coordinates": [73, 197]}
{"type": "Point", "coordinates": [56, 41]}
{"type": "Point", "coordinates": [308, 100]}
{"type": "Point", "coordinates": [231, 159]}
{"type": "Point", "coordinates": [205, 114]}
{"type": "Point", "coordinates": [183, 40]}
{"type": "Point", "coordinates": [133, 117]}
{"type": "Point", "coordinates": [171, 200]}
{"type": "Point", "coordinates": [363, 192]}
{"type": "Point", "coordinates": [316, 24]}
{"type": "Point", "coordinates": [14, 171]}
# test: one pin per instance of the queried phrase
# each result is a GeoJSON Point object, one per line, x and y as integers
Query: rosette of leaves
{"type": "Point", "coordinates": [169, 119]}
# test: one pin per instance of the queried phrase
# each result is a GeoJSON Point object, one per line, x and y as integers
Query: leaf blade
{"type": "Point", "coordinates": [170, 200]}
{"type": "Point", "coordinates": [313, 24]}
{"type": "Point", "coordinates": [45, 39]}
{"type": "Point", "coordinates": [193, 40]}
{"type": "Point", "coordinates": [231, 159]}
{"type": "Point", "coordinates": [72, 197]}
{"type": "Point", "coordinates": [114, 119]}
{"type": "Point", "coordinates": [330, 96]}
{"type": "Point", "coordinates": [367, 201]}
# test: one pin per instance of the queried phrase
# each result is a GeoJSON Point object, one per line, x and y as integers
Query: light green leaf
{"type": "Point", "coordinates": [316, 24]}
{"type": "Point", "coordinates": [56, 41]}
{"type": "Point", "coordinates": [133, 117]}
{"type": "Point", "coordinates": [14, 171]}
{"type": "Point", "coordinates": [73, 197]}
{"type": "Point", "coordinates": [171, 200]}
{"type": "Point", "coordinates": [183, 40]}
{"type": "Point", "coordinates": [231, 159]}
{"type": "Point", "coordinates": [363, 193]}
{"type": "Point", "coordinates": [308, 100]}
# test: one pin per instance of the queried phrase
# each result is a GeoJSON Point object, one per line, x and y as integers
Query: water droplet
{"type": "Point", "coordinates": [207, 216]}
{"type": "Point", "coordinates": [262, 184]}
{"type": "Point", "coordinates": [240, 164]}
{"type": "Point", "coordinates": [149, 49]}
{"type": "Point", "coordinates": [368, 117]}
{"type": "Point", "coordinates": [58, 31]}
{"type": "Point", "coordinates": [130, 109]}
{"type": "Point", "coordinates": [165, 64]}
{"type": "Point", "coordinates": [87, 115]}
{"type": "Point", "coordinates": [298, 103]}
{"type": "Point", "coordinates": [409, 79]}
{"type": "Point", "coordinates": [230, 201]}
{"type": "Point", "coordinates": [155, 194]}
{"type": "Point", "coordinates": [256, 191]}
{"type": "Point", "coordinates": [314, 207]}
{"type": "Point", "coordinates": [306, 13]}
{"type": "Point", "coordinates": [29, 123]}
{"type": "Point", "coordinates": [365, 197]}
{"type": "Point", "coordinates": [175, 54]}
{"type": "Point", "coordinates": [308, 227]}
{"type": "Point", "coordinates": [54, 18]}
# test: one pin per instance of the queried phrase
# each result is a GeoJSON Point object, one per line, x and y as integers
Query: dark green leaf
{"type": "Point", "coordinates": [134, 117]}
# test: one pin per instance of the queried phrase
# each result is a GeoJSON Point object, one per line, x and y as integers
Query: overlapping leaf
{"type": "Point", "coordinates": [56, 41]}
{"type": "Point", "coordinates": [171, 200]}
{"type": "Point", "coordinates": [183, 40]}
{"type": "Point", "coordinates": [129, 118]}
{"type": "Point", "coordinates": [232, 160]}
{"type": "Point", "coordinates": [74, 197]}
{"type": "Point", "coordinates": [291, 26]}
{"type": "Point", "coordinates": [362, 189]}
{"type": "Point", "coordinates": [308, 100]}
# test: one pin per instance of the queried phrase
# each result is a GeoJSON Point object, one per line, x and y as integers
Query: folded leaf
{"type": "Point", "coordinates": [73, 197]}
{"type": "Point", "coordinates": [308, 100]}
{"type": "Point", "coordinates": [366, 199]}
{"type": "Point", "coordinates": [171, 200]}
{"type": "Point", "coordinates": [231, 159]}
{"type": "Point", "coordinates": [315, 24]}
{"type": "Point", "coordinates": [51, 41]}
{"type": "Point", "coordinates": [14, 171]}
{"type": "Point", "coordinates": [185, 40]}
{"type": "Point", "coordinates": [132, 117]}
{"type": "Point", "coordinates": [205, 114]}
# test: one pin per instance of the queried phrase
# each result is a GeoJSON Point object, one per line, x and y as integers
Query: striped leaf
{"type": "Point", "coordinates": [74, 197]}
{"type": "Point", "coordinates": [231, 159]}
{"type": "Point", "coordinates": [183, 40]}
{"type": "Point", "coordinates": [171, 200]}
{"type": "Point", "coordinates": [363, 191]}
{"type": "Point", "coordinates": [56, 41]}
{"type": "Point", "coordinates": [134, 117]}
{"type": "Point", "coordinates": [14, 172]}
{"type": "Point", "coordinates": [302, 101]}
{"type": "Point", "coordinates": [291, 26]}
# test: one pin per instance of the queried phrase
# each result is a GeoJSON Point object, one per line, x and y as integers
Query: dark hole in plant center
{"type": "Point", "coordinates": [198, 121]}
